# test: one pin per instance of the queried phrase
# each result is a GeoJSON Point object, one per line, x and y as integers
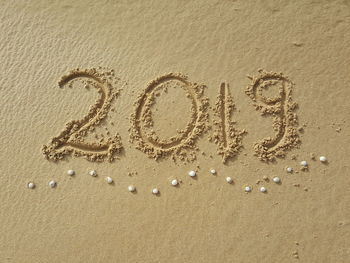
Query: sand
{"type": "Point", "coordinates": [144, 92]}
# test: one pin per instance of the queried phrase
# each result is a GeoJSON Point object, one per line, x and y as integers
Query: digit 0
{"type": "Point", "coordinates": [182, 144]}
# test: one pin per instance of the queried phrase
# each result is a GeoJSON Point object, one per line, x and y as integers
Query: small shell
{"type": "Point", "coordinates": [247, 189]}
{"type": "Point", "coordinates": [155, 191]}
{"type": "Point", "coordinates": [289, 169]}
{"type": "Point", "coordinates": [212, 171]}
{"type": "Point", "coordinates": [229, 180]}
{"type": "Point", "coordinates": [31, 185]}
{"type": "Point", "coordinates": [109, 180]}
{"type": "Point", "coordinates": [174, 182]}
{"type": "Point", "coordinates": [71, 172]}
{"type": "Point", "coordinates": [93, 173]}
{"type": "Point", "coordinates": [131, 188]}
{"type": "Point", "coordinates": [323, 159]}
{"type": "Point", "coordinates": [304, 163]}
{"type": "Point", "coordinates": [263, 189]}
{"type": "Point", "coordinates": [192, 173]}
{"type": "Point", "coordinates": [276, 179]}
{"type": "Point", "coordinates": [52, 184]}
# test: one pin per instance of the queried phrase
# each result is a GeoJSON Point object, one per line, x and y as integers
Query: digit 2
{"type": "Point", "coordinates": [69, 141]}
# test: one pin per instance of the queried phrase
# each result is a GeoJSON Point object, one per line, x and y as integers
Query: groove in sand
{"type": "Point", "coordinates": [282, 108]}
{"type": "Point", "coordinates": [181, 146]}
{"type": "Point", "coordinates": [70, 140]}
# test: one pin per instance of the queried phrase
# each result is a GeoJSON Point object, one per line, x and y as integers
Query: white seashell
{"type": "Point", "coordinates": [192, 173]}
{"type": "Point", "coordinates": [247, 189]}
{"type": "Point", "coordinates": [263, 189]}
{"type": "Point", "coordinates": [52, 184]}
{"type": "Point", "coordinates": [276, 179]}
{"type": "Point", "coordinates": [109, 180]}
{"type": "Point", "coordinates": [323, 159]}
{"type": "Point", "coordinates": [304, 163]}
{"type": "Point", "coordinates": [93, 173]}
{"type": "Point", "coordinates": [131, 188]}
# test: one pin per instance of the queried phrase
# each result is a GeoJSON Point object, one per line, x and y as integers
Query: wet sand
{"type": "Point", "coordinates": [178, 86]}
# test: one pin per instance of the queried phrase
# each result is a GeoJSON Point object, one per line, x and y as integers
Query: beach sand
{"type": "Point", "coordinates": [155, 85]}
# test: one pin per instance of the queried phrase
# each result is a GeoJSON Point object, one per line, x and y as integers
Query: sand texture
{"type": "Point", "coordinates": [144, 92]}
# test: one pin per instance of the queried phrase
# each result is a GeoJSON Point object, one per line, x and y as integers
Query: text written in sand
{"type": "Point", "coordinates": [70, 140]}
{"type": "Point", "coordinates": [183, 145]}
{"type": "Point", "coordinates": [281, 107]}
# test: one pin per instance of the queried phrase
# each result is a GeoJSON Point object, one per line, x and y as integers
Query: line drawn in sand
{"type": "Point", "coordinates": [182, 145]}
{"type": "Point", "coordinates": [69, 141]}
{"type": "Point", "coordinates": [227, 138]}
{"type": "Point", "coordinates": [282, 108]}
